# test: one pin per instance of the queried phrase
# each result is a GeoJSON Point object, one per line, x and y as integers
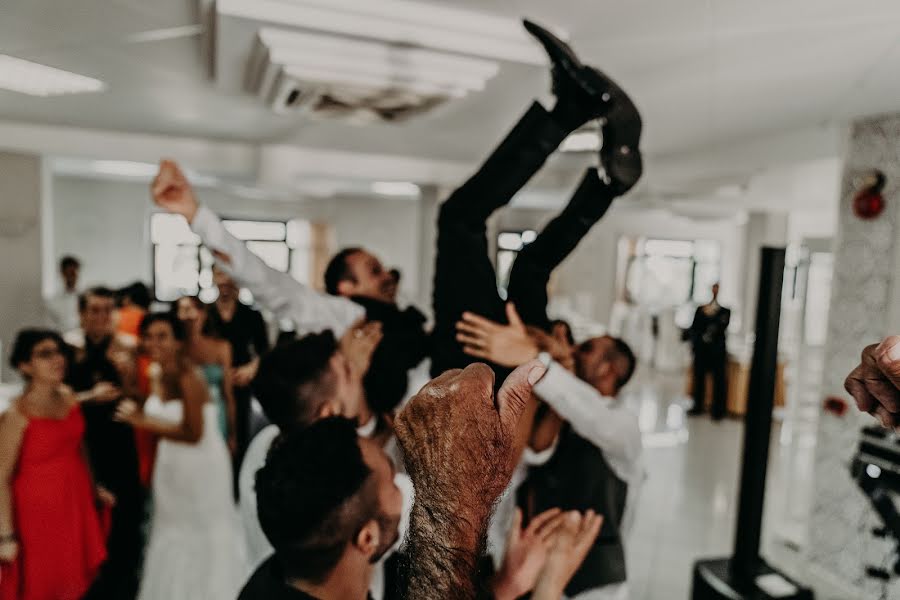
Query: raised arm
{"type": "Point", "coordinates": [228, 395]}
{"type": "Point", "coordinates": [591, 415]}
{"type": "Point", "coordinates": [279, 292]}
{"type": "Point", "coordinates": [12, 431]}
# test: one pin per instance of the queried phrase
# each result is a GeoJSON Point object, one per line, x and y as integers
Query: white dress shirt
{"type": "Point", "coordinates": [611, 428]}
{"type": "Point", "coordinates": [311, 311]}
{"type": "Point", "coordinates": [62, 311]}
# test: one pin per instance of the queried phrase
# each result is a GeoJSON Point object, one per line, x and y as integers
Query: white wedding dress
{"type": "Point", "coordinates": [196, 549]}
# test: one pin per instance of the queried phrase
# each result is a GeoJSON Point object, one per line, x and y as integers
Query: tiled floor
{"type": "Point", "coordinates": [688, 505]}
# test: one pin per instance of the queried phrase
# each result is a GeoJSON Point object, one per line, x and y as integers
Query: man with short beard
{"type": "Point", "coordinates": [101, 359]}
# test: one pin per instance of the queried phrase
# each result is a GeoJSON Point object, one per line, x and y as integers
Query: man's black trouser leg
{"type": "Point", "coordinates": [700, 370]}
{"type": "Point", "coordinates": [536, 262]}
{"type": "Point", "coordinates": [464, 278]}
{"type": "Point", "coordinates": [119, 575]}
{"type": "Point", "coordinates": [720, 390]}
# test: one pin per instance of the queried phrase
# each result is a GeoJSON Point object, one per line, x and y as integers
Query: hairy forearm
{"type": "Point", "coordinates": [443, 552]}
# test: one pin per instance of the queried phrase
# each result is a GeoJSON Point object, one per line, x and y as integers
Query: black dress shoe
{"type": "Point", "coordinates": [582, 93]}
{"type": "Point", "coordinates": [694, 412]}
{"type": "Point", "coordinates": [620, 154]}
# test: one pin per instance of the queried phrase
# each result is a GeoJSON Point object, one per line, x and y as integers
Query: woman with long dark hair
{"type": "Point", "coordinates": [213, 355]}
{"type": "Point", "coordinates": [196, 547]}
{"type": "Point", "coordinates": [51, 539]}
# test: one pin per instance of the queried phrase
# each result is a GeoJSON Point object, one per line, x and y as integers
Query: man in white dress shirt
{"type": "Point", "coordinates": [598, 458]}
{"type": "Point", "coordinates": [62, 309]}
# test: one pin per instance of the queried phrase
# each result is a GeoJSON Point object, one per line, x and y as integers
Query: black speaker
{"type": "Point", "coordinates": [713, 580]}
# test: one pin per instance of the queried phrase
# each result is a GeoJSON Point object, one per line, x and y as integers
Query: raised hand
{"type": "Point", "coordinates": [505, 345]}
{"type": "Point", "coordinates": [573, 539]}
{"type": "Point", "coordinates": [359, 343]}
{"type": "Point", "coordinates": [459, 444]}
{"type": "Point", "coordinates": [526, 554]}
{"type": "Point", "coordinates": [875, 382]}
{"type": "Point", "coordinates": [172, 191]}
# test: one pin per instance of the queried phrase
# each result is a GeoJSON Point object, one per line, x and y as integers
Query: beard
{"type": "Point", "coordinates": [390, 534]}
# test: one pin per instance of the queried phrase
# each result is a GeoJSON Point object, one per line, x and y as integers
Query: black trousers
{"type": "Point", "coordinates": [710, 360]}
{"type": "Point", "coordinates": [465, 279]}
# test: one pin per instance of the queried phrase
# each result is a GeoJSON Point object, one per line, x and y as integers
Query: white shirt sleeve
{"type": "Point", "coordinates": [598, 419]}
{"type": "Point", "coordinates": [309, 310]}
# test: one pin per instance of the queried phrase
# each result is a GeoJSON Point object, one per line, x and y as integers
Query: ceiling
{"type": "Point", "coordinates": [707, 74]}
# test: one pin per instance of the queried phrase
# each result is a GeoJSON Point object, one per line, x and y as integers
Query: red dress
{"type": "Point", "coordinates": [61, 544]}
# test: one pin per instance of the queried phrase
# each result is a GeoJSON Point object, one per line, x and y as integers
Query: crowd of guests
{"type": "Point", "coordinates": [130, 466]}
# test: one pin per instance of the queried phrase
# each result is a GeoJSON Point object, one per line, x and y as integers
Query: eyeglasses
{"type": "Point", "coordinates": [47, 354]}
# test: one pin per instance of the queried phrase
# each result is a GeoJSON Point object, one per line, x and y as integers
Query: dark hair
{"type": "Point", "coordinates": [312, 497]}
{"type": "Point", "coordinates": [621, 351]}
{"type": "Point", "coordinates": [97, 292]}
{"type": "Point", "coordinates": [69, 261]}
{"type": "Point", "coordinates": [137, 293]}
{"type": "Point", "coordinates": [211, 328]}
{"type": "Point", "coordinates": [27, 339]}
{"type": "Point", "coordinates": [294, 379]}
{"type": "Point", "coordinates": [338, 270]}
{"type": "Point", "coordinates": [569, 337]}
{"type": "Point", "coordinates": [163, 317]}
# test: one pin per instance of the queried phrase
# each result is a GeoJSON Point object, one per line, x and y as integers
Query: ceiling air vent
{"type": "Point", "coordinates": [332, 76]}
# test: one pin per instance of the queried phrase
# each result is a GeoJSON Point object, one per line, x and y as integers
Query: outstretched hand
{"type": "Point", "coordinates": [172, 191]}
{"type": "Point", "coordinates": [358, 345]}
{"type": "Point", "coordinates": [504, 345]}
{"type": "Point", "coordinates": [573, 539]}
{"type": "Point", "coordinates": [875, 382]}
{"type": "Point", "coordinates": [526, 553]}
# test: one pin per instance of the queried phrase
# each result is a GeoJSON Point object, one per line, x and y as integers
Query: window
{"type": "Point", "coordinates": [182, 267]}
{"type": "Point", "coordinates": [670, 272]}
{"type": "Point", "coordinates": [509, 243]}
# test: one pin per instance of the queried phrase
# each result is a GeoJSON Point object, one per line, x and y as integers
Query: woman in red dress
{"type": "Point", "coordinates": [51, 541]}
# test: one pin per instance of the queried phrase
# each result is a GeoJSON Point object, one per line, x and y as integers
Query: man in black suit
{"type": "Point", "coordinates": [707, 337]}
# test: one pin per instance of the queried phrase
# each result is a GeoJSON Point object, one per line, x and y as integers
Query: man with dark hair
{"type": "Point", "coordinates": [62, 309]}
{"type": "Point", "coordinates": [357, 277]}
{"type": "Point", "coordinates": [597, 462]}
{"type": "Point", "coordinates": [326, 543]}
{"type": "Point", "coordinates": [300, 382]}
{"type": "Point", "coordinates": [103, 357]}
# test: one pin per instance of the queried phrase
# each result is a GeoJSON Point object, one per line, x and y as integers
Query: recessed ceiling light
{"type": "Point", "coordinates": [35, 79]}
{"type": "Point", "coordinates": [581, 141]}
{"type": "Point", "coordinates": [395, 188]}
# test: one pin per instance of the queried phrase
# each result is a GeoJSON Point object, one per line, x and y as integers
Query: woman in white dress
{"type": "Point", "coordinates": [195, 550]}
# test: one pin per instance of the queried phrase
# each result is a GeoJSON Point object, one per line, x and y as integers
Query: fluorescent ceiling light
{"type": "Point", "coordinates": [399, 22]}
{"type": "Point", "coordinates": [581, 141]}
{"type": "Point", "coordinates": [395, 188]}
{"type": "Point", "coordinates": [34, 79]}
{"type": "Point", "coordinates": [124, 168]}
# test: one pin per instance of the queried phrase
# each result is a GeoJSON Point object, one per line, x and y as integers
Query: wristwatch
{"type": "Point", "coordinates": [545, 358]}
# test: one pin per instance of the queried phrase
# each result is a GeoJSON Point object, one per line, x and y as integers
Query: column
{"type": "Point", "coordinates": [864, 300]}
{"type": "Point", "coordinates": [24, 193]}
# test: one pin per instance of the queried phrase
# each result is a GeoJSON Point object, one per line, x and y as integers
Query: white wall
{"type": "Point", "coordinates": [106, 224]}
{"type": "Point", "coordinates": [22, 185]}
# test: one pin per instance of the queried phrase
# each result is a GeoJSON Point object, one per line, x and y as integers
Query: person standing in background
{"type": "Point", "coordinates": [133, 302]}
{"type": "Point", "coordinates": [103, 356]}
{"type": "Point", "coordinates": [62, 309]}
{"type": "Point", "coordinates": [707, 337]}
{"type": "Point", "coordinates": [244, 328]}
